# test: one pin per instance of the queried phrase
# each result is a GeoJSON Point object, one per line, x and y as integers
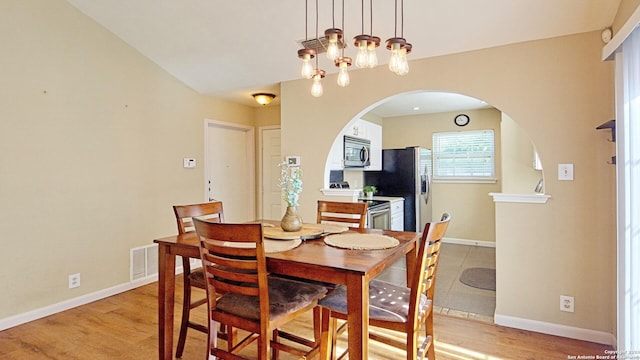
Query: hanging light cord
{"type": "Point", "coordinates": [395, 20]}
{"type": "Point", "coordinates": [342, 26]}
{"type": "Point", "coordinates": [306, 16]}
{"type": "Point", "coordinates": [371, 16]}
{"type": "Point", "coordinates": [362, 17]}
{"type": "Point", "coordinates": [317, 31]}
{"type": "Point", "coordinates": [402, 19]}
{"type": "Point", "coordinates": [333, 13]}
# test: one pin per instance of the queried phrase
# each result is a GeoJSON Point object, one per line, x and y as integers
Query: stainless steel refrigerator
{"type": "Point", "coordinates": [406, 173]}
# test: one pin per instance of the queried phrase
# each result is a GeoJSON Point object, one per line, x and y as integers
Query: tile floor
{"type": "Point", "coordinates": [453, 297]}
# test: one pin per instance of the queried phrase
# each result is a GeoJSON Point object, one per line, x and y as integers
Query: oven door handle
{"type": "Point", "coordinates": [379, 211]}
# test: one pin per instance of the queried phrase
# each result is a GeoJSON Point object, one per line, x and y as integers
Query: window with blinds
{"type": "Point", "coordinates": [464, 155]}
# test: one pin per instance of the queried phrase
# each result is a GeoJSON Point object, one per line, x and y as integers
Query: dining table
{"type": "Point", "coordinates": [313, 260]}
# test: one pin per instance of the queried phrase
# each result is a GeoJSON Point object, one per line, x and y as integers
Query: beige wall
{"type": "Point", "coordinates": [469, 203]}
{"type": "Point", "coordinates": [518, 173]}
{"type": "Point", "coordinates": [92, 137]}
{"type": "Point", "coordinates": [558, 91]}
{"type": "Point", "coordinates": [626, 8]}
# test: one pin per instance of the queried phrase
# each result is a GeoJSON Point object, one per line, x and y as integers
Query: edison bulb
{"type": "Point", "coordinates": [316, 88]}
{"type": "Point", "coordinates": [343, 75]}
{"type": "Point", "coordinates": [394, 62]}
{"type": "Point", "coordinates": [362, 59]}
{"type": "Point", "coordinates": [307, 68]}
{"type": "Point", "coordinates": [372, 58]}
{"type": "Point", "coordinates": [332, 50]}
{"type": "Point", "coordinates": [403, 64]}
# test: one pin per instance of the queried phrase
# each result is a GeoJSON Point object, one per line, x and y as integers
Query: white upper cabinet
{"type": "Point", "coordinates": [374, 133]}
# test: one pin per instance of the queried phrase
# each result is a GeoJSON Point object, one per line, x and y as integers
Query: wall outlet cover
{"type": "Point", "coordinates": [565, 172]}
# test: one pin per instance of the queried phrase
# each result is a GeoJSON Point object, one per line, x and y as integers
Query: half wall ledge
{"type": "Point", "coordinates": [520, 198]}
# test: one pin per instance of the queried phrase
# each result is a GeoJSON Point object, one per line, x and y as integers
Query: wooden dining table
{"type": "Point", "coordinates": [312, 260]}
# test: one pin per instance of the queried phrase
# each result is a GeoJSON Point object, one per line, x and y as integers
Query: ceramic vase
{"type": "Point", "coordinates": [291, 221]}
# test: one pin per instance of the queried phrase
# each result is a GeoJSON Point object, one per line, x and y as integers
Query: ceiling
{"type": "Point", "coordinates": [231, 49]}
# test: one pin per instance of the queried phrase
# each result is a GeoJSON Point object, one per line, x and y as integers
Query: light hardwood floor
{"type": "Point", "coordinates": [125, 327]}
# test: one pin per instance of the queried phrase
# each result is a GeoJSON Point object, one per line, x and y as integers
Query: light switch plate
{"type": "Point", "coordinates": [189, 163]}
{"type": "Point", "coordinates": [565, 172]}
{"type": "Point", "coordinates": [293, 161]}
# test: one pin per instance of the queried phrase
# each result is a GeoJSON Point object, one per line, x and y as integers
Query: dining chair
{"type": "Point", "coordinates": [212, 211]}
{"type": "Point", "coordinates": [394, 307]}
{"type": "Point", "coordinates": [243, 295]}
{"type": "Point", "coordinates": [353, 214]}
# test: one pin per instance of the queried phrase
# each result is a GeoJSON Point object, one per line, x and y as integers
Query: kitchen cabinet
{"type": "Point", "coordinates": [374, 133]}
{"type": "Point", "coordinates": [397, 215]}
{"type": "Point", "coordinates": [335, 160]}
{"type": "Point", "coordinates": [362, 129]}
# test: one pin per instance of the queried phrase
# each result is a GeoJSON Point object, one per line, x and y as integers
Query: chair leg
{"type": "Point", "coordinates": [327, 335]}
{"type": "Point", "coordinates": [431, 353]}
{"type": "Point", "coordinates": [186, 306]}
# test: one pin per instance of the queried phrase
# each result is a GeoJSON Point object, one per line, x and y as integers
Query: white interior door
{"type": "Point", "coordinates": [270, 158]}
{"type": "Point", "coordinates": [229, 169]}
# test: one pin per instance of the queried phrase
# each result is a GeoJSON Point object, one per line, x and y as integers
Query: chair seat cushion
{"type": "Point", "coordinates": [388, 302]}
{"type": "Point", "coordinates": [285, 297]}
{"type": "Point", "coordinates": [197, 276]}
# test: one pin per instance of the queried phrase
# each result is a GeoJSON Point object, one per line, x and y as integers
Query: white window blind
{"type": "Point", "coordinates": [464, 155]}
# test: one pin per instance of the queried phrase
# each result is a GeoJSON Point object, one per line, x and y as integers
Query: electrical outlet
{"type": "Point", "coordinates": [74, 281]}
{"type": "Point", "coordinates": [566, 303]}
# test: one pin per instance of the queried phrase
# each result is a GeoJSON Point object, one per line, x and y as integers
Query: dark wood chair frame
{"type": "Point", "coordinates": [338, 212]}
{"type": "Point", "coordinates": [423, 282]}
{"type": "Point", "coordinates": [235, 269]}
{"type": "Point", "coordinates": [212, 211]}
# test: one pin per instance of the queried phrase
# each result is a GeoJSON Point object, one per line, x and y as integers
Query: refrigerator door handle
{"type": "Point", "coordinates": [428, 185]}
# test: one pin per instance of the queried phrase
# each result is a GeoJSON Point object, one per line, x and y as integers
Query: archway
{"type": "Point", "coordinates": [410, 119]}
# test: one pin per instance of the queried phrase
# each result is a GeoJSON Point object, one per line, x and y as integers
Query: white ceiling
{"type": "Point", "coordinates": [231, 49]}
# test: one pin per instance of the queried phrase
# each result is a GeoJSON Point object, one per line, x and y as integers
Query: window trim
{"type": "Point", "coordinates": [465, 179]}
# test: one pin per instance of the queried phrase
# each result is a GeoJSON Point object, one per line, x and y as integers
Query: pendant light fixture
{"type": "Point", "coordinates": [318, 74]}
{"type": "Point", "coordinates": [306, 54]}
{"type": "Point", "coordinates": [373, 42]}
{"type": "Point", "coordinates": [333, 35]}
{"type": "Point", "coordinates": [362, 43]}
{"type": "Point", "coordinates": [366, 43]}
{"type": "Point", "coordinates": [398, 45]}
{"type": "Point", "coordinates": [343, 62]}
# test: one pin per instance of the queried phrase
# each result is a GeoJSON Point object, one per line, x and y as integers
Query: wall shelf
{"type": "Point", "coordinates": [611, 124]}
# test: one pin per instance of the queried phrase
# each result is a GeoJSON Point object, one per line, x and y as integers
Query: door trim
{"type": "Point", "coordinates": [251, 154]}
{"type": "Point", "coordinates": [260, 189]}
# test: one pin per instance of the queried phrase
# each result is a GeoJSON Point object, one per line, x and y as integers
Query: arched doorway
{"type": "Point", "coordinates": [411, 119]}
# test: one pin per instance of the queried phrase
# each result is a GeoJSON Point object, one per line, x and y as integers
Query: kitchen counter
{"type": "Point", "coordinates": [384, 198]}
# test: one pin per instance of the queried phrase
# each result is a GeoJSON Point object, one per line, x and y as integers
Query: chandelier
{"type": "Point", "coordinates": [333, 43]}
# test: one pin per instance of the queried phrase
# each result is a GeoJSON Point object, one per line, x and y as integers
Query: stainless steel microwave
{"type": "Point", "coordinates": [356, 152]}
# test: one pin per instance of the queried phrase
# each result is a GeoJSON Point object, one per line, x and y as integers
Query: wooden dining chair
{"type": "Point", "coordinates": [393, 307]}
{"type": "Point", "coordinates": [212, 211]}
{"type": "Point", "coordinates": [353, 214]}
{"type": "Point", "coordinates": [240, 292]}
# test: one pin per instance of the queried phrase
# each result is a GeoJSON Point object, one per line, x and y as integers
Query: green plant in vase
{"type": "Point", "coordinates": [369, 190]}
{"type": "Point", "coordinates": [291, 185]}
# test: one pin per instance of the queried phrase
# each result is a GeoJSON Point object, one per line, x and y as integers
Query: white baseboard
{"type": "Point", "coordinates": [571, 332]}
{"type": "Point", "coordinates": [448, 240]}
{"type": "Point", "coordinates": [36, 314]}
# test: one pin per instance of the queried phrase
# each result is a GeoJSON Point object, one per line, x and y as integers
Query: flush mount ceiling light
{"type": "Point", "coordinates": [264, 98]}
{"type": "Point", "coordinates": [366, 43]}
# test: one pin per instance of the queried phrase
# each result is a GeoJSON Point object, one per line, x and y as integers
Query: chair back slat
{"type": "Point", "coordinates": [353, 214]}
{"type": "Point", "coordinates": [233, 258]}
{"type": "Point", "coordinates": [211, 212]}
{"type": "Point", "coordinates": [427, 265]}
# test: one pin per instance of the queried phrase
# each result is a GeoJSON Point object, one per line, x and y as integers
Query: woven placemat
{"type": "Point", "coordinates": [277, 233]}
{"type": "Point", "coordinates": [270, 246]}
{"type": "Point", "coordinates": [331, 228]}
{"type": "Point", "coordinates": [361, 241]}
